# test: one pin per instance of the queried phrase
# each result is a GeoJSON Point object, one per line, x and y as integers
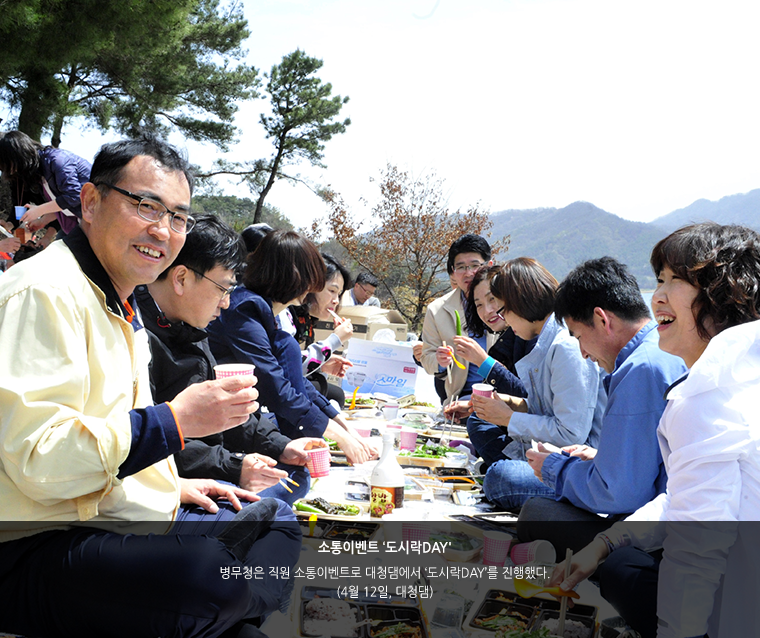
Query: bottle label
{"type": "Point", "coordinates": [384, 500]}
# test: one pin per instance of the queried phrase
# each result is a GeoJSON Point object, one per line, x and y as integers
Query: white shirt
{"type": "Point", "coordinates": [710, 440]}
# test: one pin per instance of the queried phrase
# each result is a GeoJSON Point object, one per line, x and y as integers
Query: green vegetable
{"type": "Point", "coordinates": [303, 507]}
{"type": "Point", "coordinates": [321, 506]}
{"type": "Point", "coordinates": [459, 323]}
{"type": "Point", "coordinates": [429, 452]}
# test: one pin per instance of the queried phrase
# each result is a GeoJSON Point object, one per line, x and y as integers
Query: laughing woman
{"type": "Point", "coordinates": [707, 303]}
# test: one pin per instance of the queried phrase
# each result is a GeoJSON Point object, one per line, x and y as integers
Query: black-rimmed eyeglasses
{"type": "Point", "coordinates": [226, 292]}
{"type": "Point", "coordinates": [152, 211]}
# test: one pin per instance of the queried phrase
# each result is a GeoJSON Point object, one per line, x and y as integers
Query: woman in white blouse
{"type": "Point", "coordinates": [704, 580]}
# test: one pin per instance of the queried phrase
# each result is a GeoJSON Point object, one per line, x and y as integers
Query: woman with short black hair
{"type": "Point", "coordinates": [281, 272]}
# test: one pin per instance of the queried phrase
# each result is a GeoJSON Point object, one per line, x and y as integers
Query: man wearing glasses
{"type": "Point", "coordinates": [176, 308]}
{"type": "Point", "coordinates": [466, 255]}
{"type": "Point", "coordinates": [85, 455]}
{"type": "Point", "coordinates": [362, 292]}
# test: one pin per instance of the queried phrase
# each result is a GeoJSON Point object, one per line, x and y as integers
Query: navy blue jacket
{"type": "Point", "coordinates": [247, 332]}
{"type": "Point", "coordinates": [65, 173]}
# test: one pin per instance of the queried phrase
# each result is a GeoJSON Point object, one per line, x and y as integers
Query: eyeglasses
{"type": "Point", "coordinates": [152, 211]}
{"type": "Point", "coordinates": [369, 293]}
{"type": "Point", "coordinates": [226, 292]}
{"type": "Point", "coordinates": [462, 268]}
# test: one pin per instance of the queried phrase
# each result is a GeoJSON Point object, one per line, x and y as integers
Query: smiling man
{"type": "Point", "coordinates": [466, 255]}
{"type": "Point", "coordinates": [85, 456]}
{"type": "Point", "coordinates": [602, 306]}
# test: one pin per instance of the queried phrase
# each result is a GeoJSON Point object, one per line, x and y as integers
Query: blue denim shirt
{"type": "Point", "coordinates": [247, 332]}
{"type": "Point", "coordinates": [628, 470]}
{"type": "Point", "coordinates": [566, 397]}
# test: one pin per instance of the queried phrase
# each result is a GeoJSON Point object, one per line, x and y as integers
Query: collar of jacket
{"type": "Point", "coordinates": [80, 247]}
{"type": "Point", "coordinates": [157, 323]}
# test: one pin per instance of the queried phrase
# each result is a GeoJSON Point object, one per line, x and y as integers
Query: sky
{"type": "Point", "coordinates": [639, 107]}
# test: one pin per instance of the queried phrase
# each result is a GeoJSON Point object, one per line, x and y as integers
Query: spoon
{"type": "Point", "coordinates": [526, 589]}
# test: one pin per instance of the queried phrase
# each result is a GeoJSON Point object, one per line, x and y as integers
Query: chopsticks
{"type": "Point", "coordinates": [563, 603]}
{"type": "Point", "coordinates": [290, 480]}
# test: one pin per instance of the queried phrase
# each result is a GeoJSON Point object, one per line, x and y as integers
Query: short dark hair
{"type": "Point", "coordinates": [526, 288]}
{"type": "Point", "coordinates": [284, 267]}
{"type": "Point", "coordinates": [253, 234]}
{"type": "Point", "coordinates": [468, 244]}
{"type": "Point", "coordinates": [367, 278]}
{"type": "Point", "coordinates": [19, 153]}
{"type": "Point", "coordinates": [475, 325]}
{"type": "Point", "coordinates": [600, 283]}
{"type": "Point", "coordinates": [212, 243]}
{"type": "Point", "coordinates": [108, 165]}
{"type": "Point", "coordinates": [723, 263]}
{"type": "Point", "coordinates": [332, 268]}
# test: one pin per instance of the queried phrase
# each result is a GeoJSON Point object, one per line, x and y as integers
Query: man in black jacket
{"type": "Point", "coordinates": [175, 309]}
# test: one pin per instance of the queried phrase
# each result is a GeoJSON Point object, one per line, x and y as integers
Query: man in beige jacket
{"type": "Point", "coordinates": [466, 255]}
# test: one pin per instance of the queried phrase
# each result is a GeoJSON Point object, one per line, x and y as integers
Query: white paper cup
{"type": "Point", "coordinates": [482, 389]}
{"type": "Point", "coordinates": [396, 429]}
{"type": "Point", "coordinates": [496, 547]}
{"type": "Point", "coordinates": [20, 211]}
{"type": "Point", "coordinates": [390, 411]}
{"type": "Point", "coordinates": [225, 370]}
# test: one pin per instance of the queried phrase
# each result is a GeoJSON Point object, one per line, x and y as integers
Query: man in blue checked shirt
{"type": "Point", "coordinates": [602, 306]}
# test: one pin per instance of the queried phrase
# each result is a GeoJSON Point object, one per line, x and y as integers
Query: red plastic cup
{"type": "Point", "coordinates": [408, 439]}
{"type": "Point", "coordinates": [318, 461]}
{"type": "Point", "coordinates": [482, 389]}
{"type": "Point", "coordinates": [496, 547]}
{"type": "Point", "coordinates": [542, 552]}
{"type": "Point", "coordinates": [225, 370]}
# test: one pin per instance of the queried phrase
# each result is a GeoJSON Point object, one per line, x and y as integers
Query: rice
{"type": "Point", "coordinates": [573, 628]}
{"type": "Point", "coordinates": [330, 617]}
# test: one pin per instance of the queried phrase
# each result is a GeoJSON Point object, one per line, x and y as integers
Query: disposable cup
{"type": "Point", "coordinates": [535, 552]}
{"type": "Point", "coordinates": [225, 370]}
{"type": "Point", "coordinates": [408, 439]}
{"type": "Point", "coordinates": [390, 411]}
{"type": "Point", "coordinates": [318, 462]}
{"type": "Point", "coordinates": [396, 429]}
{"type": "Point", "coordinates": [20, 211]}
{"type": "Point", "coordinates": [363, 430]}
{"type": "Point", "coordinates": [496, 547]}
{"type": "Point", "coordinates": [482, 389]}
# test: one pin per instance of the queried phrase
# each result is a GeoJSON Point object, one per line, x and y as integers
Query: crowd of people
{"type": "Point", "coordinates": [113, 425]}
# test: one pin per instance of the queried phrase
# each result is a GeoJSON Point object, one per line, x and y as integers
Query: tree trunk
{"type": "Point", "coordinates": [38, 103]}
{"type": "Point", "coordinates": [270, 182]}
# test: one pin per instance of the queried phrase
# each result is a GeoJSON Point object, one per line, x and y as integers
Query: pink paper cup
{"type": "Point", "coordinates": [411, 531]}
{"type": "Point", "coordinates": [225, 370]}
{"type": "Point", "coordinates": [363, 430]}
{"type": "Point", "coordinates": [496, 548]}
{"type": "Point", "coordinates": [318, 462]}
{"type": "Point", "coordinates": [408, 439]}
{"type": "Point", "coordinates": [542, 552]}
{"type": "Point", "coordinates": [482, 389]}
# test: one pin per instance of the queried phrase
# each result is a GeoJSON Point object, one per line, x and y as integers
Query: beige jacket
{"type": "Point", "coordinates": [439, 326]}
{"type": "Point", "coordinates": [73, 370]}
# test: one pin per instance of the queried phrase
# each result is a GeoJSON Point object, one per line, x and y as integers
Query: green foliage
{"type": "Point", "coordinates": [301, 122]}
{"type": "Point", "coordinates": [144, 64]}
{"type": "Point", "coordinates": [238, 212]}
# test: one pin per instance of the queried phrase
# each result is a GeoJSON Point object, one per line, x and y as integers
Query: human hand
{"type": "Point", "coordinates": [584, 452]}
{"type": "Point", "coordinates": [536, 461]}
{"type": "Point", "coordinates": [295, 451]}
{"type": "Point", "coordinates": [214, 406]}
{"type": "Point", "coordinates": [492, 409]}
{"type": "Point", "coordinates": [417, 350]}
{"type": "Point", "coordinates": [470, 350]}
{"type": "Point", "coordinates": [41, 221]}
{"type": "Point", "coordinates": [204, 492]}
{"type": "Point", "coordinates": [365, 442]}
{"type": "Point", "coordinates": [258, 472]}
{"type": "Point", "coordinates": [336, 366]}
{"type": "Point", "coordinates": [443, 356]}
{"type": "Point", "coordinates": [344, 329]}
{"type": "Point", "coordinates": [10, 244]}
{"type": "Point", "coordinates": [458, 409]}
{"type": "Point", "coordinates": [582, 565]}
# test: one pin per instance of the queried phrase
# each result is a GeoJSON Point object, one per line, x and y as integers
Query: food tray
{"type": "Point", "coordinates": [535, 610]}
{"type": "Point", "coordinates": [586, 621]}
{"type": "Point", "coordinates": [363, 512]}
{"type": "Point", "coordinates": [384, 612]}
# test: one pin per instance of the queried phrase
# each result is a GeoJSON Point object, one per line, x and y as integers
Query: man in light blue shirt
{"type": "Point", "coordinates": [602, 306]}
